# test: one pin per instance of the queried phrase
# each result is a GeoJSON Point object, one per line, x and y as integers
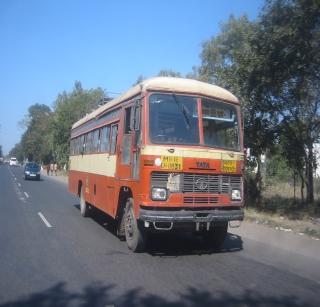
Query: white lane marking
{"type": "Point", "coordinates": [19, 184]}
{"type": "Point", "coordinates": [44, 220]}
{"type": "Point", "coordinates": [26, 194]}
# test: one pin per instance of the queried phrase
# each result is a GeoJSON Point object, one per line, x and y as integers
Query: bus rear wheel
{"type": "Point", "coordinates": [216, 235]}
{"type": "Point", "coordinates": [84, 206]}
{"type": "Point", "coordinates": [134, 233]}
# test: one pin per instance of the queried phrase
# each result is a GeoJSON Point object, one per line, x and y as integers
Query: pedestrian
{"type": "Point", "coordinates": [55, 167]}
{"type": "Point", "coordinates": [51, 168]}
{"type": "Point", "coordinates": [48, 169]}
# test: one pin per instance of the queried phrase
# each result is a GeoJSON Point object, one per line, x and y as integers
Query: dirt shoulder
{"type": "Point", "coordinates": [61, 176]}
{"type": "Point", "coordinates": [307, 226]}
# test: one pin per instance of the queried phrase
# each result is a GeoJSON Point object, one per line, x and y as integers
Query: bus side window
{"type": "Point", "coordinates": [81, 145]}
{"type": "Point", "coordinates": [89, 142]}
{"type": "Point", "coordinates": [114, 134]}
{"type": "Point", "coordinates": [78, 149]}
{"type": "Point", "coordinates": [128, 116]}
{"type": "Point", "coordinates": [136, 125]}
{"type": "Point", "coordinates": [104, 139]}
{"type": "Point", "coordinates": [72, 146]}
{"type": "Point", "coordinates": [75, 146]}
{"type": "Point", "coordinates": [95, 140]}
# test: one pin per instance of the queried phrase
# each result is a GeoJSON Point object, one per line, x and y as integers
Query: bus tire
{"type": "Point", "coordinates": [134, 233]}
{"type": "Point", "coordinates": [84, 206]}
{"type": "Point", "coordinates": [216, 235]}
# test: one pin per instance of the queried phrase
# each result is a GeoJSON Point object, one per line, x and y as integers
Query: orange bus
{"type": "Point", "coordinates": [165, 156]}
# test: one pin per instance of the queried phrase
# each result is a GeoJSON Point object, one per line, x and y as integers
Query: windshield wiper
{"type": "Point", "coordinates": [182, 110]}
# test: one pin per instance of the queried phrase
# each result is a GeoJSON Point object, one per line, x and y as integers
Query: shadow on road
{"type": "Point", "coordinates": [100, 295]}
{"type": "Point", "coordinates": [173, 245]}
{"type": "Point", "coordinates": [179, 244]}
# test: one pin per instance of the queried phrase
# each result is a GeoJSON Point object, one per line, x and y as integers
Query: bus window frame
{"type": "Point", "coordinates": [113, 147]}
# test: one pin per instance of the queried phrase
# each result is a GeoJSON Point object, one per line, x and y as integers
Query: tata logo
{"type": "Point", "coordinates": [201, 184]}
{"type": "Point", "coordinates": [201, 164]}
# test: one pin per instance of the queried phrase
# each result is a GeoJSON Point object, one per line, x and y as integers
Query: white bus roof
{"type": "Point", "coordinates": [168, 84]}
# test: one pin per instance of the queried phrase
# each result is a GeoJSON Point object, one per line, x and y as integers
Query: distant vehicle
{"type": "Point", "coordinates": [1, 160]}
{"type": "Point", "coordinates": [32, 171]}
{"type": "Point", "coordinates": [13, 161]}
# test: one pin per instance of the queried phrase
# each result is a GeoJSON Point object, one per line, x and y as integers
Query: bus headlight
{"type": "Point", "coordinates": [159, 194]}
{"type": "Point", "coordinates": [236, 195]}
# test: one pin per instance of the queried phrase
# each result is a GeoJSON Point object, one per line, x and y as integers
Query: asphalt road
{"type": "Point", "coordinates": [51, 256]}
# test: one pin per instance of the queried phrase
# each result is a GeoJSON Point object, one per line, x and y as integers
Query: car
{"type": "Point", "coordinates": [13, 161]}
{"type": "Point", "coordinates": [32, 171]}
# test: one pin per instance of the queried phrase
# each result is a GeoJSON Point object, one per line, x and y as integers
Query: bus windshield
{"type": "Point", "coordinates": [174, 120]}
{"type": "Point", "coordinates": [220, 125]}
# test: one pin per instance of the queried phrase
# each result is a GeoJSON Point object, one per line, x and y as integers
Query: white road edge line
{"type": "Point", "coordinates": [26, 194]}
{"type": "Point", "coordinates": [44, 220]}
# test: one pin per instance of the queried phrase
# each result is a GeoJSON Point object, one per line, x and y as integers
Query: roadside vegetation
{"type": "Point", "coordinates": [272, 64]}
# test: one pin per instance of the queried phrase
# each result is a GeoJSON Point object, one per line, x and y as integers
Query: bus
{"type": "Point", "coordinates": [165, 156]}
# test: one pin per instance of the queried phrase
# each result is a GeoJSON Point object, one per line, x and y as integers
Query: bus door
{"type": "Point", "coordinates": [129, 151]}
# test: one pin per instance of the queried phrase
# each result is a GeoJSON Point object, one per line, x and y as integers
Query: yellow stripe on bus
{"type": "Point", "coordinates": [100, 164]}
{"type": "Point", "coordinates": [191, 153]}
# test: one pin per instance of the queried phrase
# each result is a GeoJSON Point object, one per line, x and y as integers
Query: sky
{"type": "Point", "coordinates": [45, 46]}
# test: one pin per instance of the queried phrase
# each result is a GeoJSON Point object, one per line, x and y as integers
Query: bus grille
{"type": "Point", "coordinates": [200, 200]}
{"type": "Point", "coordinates": [200, 183]}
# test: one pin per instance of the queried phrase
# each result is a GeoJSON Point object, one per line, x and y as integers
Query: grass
{"type": "Point", "coordinates": [281, 209]}
{"type": "Point", "coordinates": [305, 226]}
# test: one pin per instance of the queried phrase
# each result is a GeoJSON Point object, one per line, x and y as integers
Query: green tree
{"type": "Point", "coordinates": [35, 141]}
{"type": "Point", "coordinates": [272, 65]}
{"type": "Point", "coordinates": [287, 42]}
{"type": "Point", "coordinates": [17, 151]}
{"type": "Point", "coordinates": [69, 108]}
{"type": "Point", "coordinates": [229, 60]}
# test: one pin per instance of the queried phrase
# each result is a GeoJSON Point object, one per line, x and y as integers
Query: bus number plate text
{"type": "Point", "coordinates": [229, 166]}
{"type": "Point", "coordinates": [172, 163]}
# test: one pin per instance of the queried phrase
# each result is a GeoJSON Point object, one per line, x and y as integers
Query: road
{"type": "Point", "coordinates": [51, 256]}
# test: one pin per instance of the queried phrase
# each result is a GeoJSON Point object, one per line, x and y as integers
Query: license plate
{"type": "Point", "coordinates": [33, 175]}
{"type": "Point", "coordinates": [172, 163]}
{"type": "Point", "coordinates": [229, 166]}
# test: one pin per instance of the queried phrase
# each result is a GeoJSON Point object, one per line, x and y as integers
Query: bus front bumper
{"type": "Point", "coordinates": [210, 215]}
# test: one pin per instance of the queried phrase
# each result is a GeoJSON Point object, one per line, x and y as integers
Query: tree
{"type": "Point", "coordinates": [35, 141]}
{"type": "Point", "coordinates": [229, 60]}
{"type": "Point", "coordinates": [273, 66]}
{"type": "Point", "coordinates": [288, 42]}
{"type": "Point", "coordinates": [17, 151]}
{"type": "Point", "coordinates": [69, 108]}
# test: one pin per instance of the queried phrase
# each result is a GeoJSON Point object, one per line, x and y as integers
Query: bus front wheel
{"type": "Point", "coordinates": [84, 206]}
{"type": "Point", "coordinates": [134, 233]}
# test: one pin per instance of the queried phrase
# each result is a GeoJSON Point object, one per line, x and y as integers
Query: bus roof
{"type": "Point", "coordinates": [167, 84]}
